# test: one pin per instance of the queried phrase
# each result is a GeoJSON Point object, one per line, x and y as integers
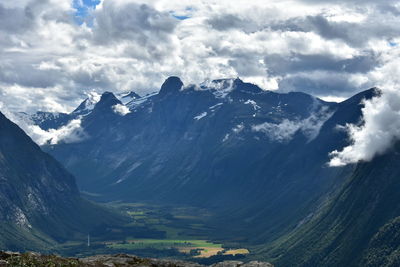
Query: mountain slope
{"type": "Point", "coordinates": [39, 202]}
{"type": "Point", "coordinates": [357, 226]}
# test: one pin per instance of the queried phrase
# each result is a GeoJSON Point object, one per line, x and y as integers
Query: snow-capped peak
{"type": "Point", "coordinates": [128, 97]}
{"type": "Point", "coordinates": [221, 87]}
{"type": "Point", "coordinates": [88, 104]}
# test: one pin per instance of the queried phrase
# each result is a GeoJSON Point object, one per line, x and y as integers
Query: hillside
{"type": "Point", "coordinates": [357, 226]}
{"type": "Point", "coordinates": [40, 204]}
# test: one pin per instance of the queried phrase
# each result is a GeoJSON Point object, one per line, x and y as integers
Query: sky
{"type": "Point", "coordinates": [53, 53]}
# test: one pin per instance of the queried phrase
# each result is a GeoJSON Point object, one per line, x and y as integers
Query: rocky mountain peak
{"type": "Point", "coordinates": [107, 101]}
{"type": "Point", "coordinates": [171, 85]}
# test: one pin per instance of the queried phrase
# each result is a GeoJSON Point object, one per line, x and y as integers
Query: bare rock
{"type": "Point", "coordinates": [257, 264]}
{"type": "Point", "coordinates": [228, 264]}
{"type": "Point", "coordinates": [241, 264]}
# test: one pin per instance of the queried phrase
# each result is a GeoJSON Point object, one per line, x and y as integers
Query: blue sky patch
{"type": "Point", "coordinates": [83, 8]}
{"type": "Point", "coordinates": [180, 17]}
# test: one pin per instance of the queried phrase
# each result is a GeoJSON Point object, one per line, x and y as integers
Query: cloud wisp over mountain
{"type": "Point", "coordinates": [380, 128]}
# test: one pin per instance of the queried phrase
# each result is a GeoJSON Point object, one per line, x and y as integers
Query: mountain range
{"type": "Point", "coordinates": [258, 159]}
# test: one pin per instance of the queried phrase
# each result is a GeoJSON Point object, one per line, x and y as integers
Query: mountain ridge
{"type": "Point", "coordinates": [191, 144]}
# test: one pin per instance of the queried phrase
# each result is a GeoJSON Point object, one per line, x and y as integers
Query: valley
{"type": "Point", "coordinates": [162, 231]}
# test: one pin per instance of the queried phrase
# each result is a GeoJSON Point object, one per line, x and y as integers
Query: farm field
{"type": "Point", "coordinates": [195, 248]}
{"type": "Point", "coordinates": [158, 231]}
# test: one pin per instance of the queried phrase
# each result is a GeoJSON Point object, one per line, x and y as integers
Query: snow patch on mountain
{"type": "Point", "coordinates": [135, 103]}
{"type": "Point", "coordinates": [253, 103]}
{"type": "Point", "coordinates": [226, 137]}
{"type": "Point", "coordinates": [212, 108]}
{"type": "Point", "coordinates": [39, 117]}
{"type": "Point", "coordinates": [88, 104]}
{"type": "Point", "coordinates": [200, 116]}
{"type": "Point", "coordinates": [125, 98]}
{"type": "Point", "coordinates": [128, 172]}
{"type": "Point", "coordinates": [238, 128]}
{"type": "Point", "coordinates": [220, 88]}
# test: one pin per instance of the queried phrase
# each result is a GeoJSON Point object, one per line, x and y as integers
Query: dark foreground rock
{"type": "Point", "coordinates": [118, 260]}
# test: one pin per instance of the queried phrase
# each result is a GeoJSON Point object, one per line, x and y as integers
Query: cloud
{"type": "Point", "coordinates": [380, 126]}
{"type": "Point", "coordinates": [50, 61]}
{"type": "Point", "coordinates": [15, 19]}
{"type": "Point", "coordinates": [355, 33]}
{"type": "Point", "coordinates": [349, 1]}
{"type": "Point", "coordinates": [223, 22]}
{"type": "Point", "coordinates": [281, 132]}
{"type": "Point", "coordinates": [325, 83]}
{"type": "Point", "coordinates": [70, 133]}
{"type": "Point", "coordinates": [285, 130]}
{"type": "Point", "coordinates": [121, 109]}
{"type": "Point", "coordinates": [137, 23]}
{"type": "Point", "coordinates": [285, 65]}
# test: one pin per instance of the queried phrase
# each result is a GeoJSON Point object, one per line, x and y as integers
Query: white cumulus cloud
{"type": "Point", "coordinates": [70, 133]}
{"type": "Point", "coordinates": [286, 129]}
{"type": "Point", "coordinates": [121, 109]}
{"type": "Point", "coordinates": [378, 132]}
{"type": "Point", "coordinates": [380, 126]}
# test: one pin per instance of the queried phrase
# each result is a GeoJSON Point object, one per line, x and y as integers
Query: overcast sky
{"type": "Point", "coordinates": [54, 52]}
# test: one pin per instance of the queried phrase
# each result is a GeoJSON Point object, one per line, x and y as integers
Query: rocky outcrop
{"type": "Point", "coordinates": [120, 260]}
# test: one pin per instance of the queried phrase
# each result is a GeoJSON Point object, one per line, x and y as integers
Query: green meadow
{"type": "Point", "coordinates": [158, 231]}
